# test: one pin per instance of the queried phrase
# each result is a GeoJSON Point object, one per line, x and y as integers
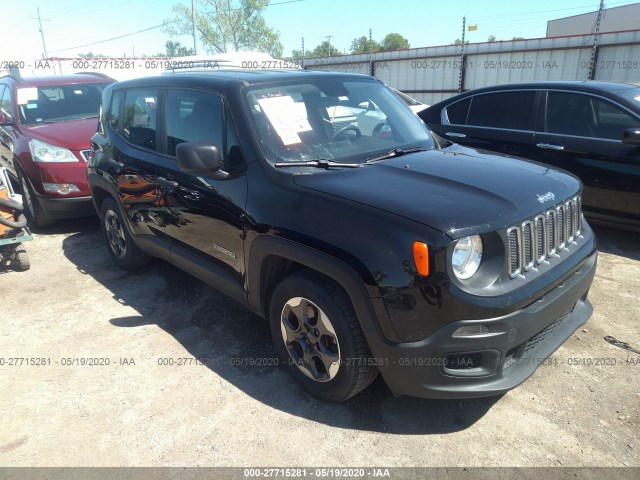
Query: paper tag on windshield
{"type": "Point", "coordinates": [287, 117]}
{"type": "Point", "coordinates": [26, 95]}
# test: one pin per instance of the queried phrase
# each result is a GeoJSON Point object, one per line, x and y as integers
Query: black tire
{"type": "Point", "coordinates": [124, 253]}
{"type": "Point", "coordinates": [32, 210]}
{"type": "Point", "coordinates": [21, 260]}
{"type": "Point", "coordinates": [298, 302]}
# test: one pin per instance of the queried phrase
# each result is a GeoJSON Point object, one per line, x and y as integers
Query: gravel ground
{"type": "Point", "coordinates": [581, 409]}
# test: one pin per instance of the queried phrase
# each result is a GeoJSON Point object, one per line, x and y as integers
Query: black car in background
{"type": "Point", "coordinates": [591, 129]}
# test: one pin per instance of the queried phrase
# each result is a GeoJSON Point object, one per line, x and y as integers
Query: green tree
{"type": "Point", "coordinates": [492, 38]}
{"type": "Point", "coordinates": [225, 25]}
{"type": "Point", "coordinates": [175, 49]}
{"type": "Point", "coordinates": [458, 42]}
{"type": "Point", "coordinates": [394, 41]}
{"type": "Point", "coordinates": [517, 38]}
{"type": "Point", "coordinates": [90, 54]}
{"type": "Point", "coordinates": [364, 45]}
{"type": "Point", "coordinates": [325, 49]}
{"type": "Point", "coordinates": [295, 54]}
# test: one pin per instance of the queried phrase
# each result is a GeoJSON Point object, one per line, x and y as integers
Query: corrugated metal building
{"type": "Point", "coordinates": [431, 74]}
{"type": "Point", "coordinates": [616, 19]}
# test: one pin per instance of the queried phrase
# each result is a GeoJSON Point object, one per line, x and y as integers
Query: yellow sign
{"type": "Point", "coordinates": [473, 27]}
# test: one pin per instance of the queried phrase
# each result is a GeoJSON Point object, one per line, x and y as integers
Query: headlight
{"type": "Point", "coordinates": [467, 255]}
{"type": "Point", "coordinates": [43, 152]}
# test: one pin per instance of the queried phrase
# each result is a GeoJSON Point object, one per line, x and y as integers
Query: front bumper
{"type": "Point", "coordinates": [444, 366]}
{"type": "Point", "coordinates": [70, 207]}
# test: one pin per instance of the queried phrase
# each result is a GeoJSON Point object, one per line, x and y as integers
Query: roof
{"type": "Point", "coordinates": [60, 79]}
{"type": "Point", "coordinates": [585, 85]}
{"type": "Point", "coordinates": [220, 77]}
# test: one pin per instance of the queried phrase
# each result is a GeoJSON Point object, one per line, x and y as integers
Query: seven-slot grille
{"type": "Point", "coordinates": [535, 240]}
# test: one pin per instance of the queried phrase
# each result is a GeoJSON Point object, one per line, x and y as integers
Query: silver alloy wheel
{"type": "Point", "coordinates": [27, 196]}
{"type": "Point", "coordinates": [310, 339]}
{"type": "Point", "coordinates": [115, 234]}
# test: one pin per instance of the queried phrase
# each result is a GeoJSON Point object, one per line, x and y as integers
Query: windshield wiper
{"type": "Point", "coordinates": [396, 152]}
{"type": "Point", "coordinates": [326, 164]}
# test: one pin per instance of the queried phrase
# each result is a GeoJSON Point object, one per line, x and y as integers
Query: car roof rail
{"type": "Point", "coordinates": [97, 74]}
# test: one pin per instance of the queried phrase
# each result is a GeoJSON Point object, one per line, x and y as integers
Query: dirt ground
{"type": "Point", "coordinates": [130, 409]}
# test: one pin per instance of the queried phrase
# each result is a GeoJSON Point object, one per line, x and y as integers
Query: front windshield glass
{"type": "Point", "coordinates": [631, 94]}
{"type": "Point", "coordinates": [336, 119]}
{"type": "Point", "coordinates": [56, 103]}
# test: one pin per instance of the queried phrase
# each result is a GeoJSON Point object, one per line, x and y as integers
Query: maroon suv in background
{"type": "Point", "coordinates": [45, 127]}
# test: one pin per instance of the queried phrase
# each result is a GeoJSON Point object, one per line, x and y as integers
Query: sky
{"type": "Point", "coordinates": [72, 27]}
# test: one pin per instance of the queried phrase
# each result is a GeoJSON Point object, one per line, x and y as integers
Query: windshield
{"type": "Point", "coordinates": [56, 103]}
{"type": "Point", "coordinates": [342, 120]}
{"type": "Point", "coordinates": [406, 98]}
{"type": "Point", "coordinates": [631, 94]}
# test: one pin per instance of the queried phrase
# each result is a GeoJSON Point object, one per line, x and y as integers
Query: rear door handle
{"type": "Point", "coordinates": [455, 135]}
{"type": "Point", "coordinates": [550, 146]}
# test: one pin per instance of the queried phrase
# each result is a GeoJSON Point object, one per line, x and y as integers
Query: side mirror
{"type": "Point", "coordinates": [631, 136]}
{"type": "Point", "coordinates": [200, 157]}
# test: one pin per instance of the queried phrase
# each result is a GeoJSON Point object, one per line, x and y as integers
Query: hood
{"type": "Point", "coordinates": [71, 134]}
{"type": "Point", "coordinates": [457, 190]}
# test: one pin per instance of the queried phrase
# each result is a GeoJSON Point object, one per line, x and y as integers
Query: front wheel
{"type": "Point", "coordinates": [32, 209]}
{"type": "Point", "coordinates": [318, 337]}
{"type": "Point", "coordinates": [125, 254]}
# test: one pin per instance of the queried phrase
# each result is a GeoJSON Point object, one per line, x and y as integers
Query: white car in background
{"type": "Point", "coordinates": [414, 105]}
{"type": "Point", "coordinates": [367, 116]}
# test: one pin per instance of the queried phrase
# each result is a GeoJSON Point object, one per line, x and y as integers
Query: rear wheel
{"type": "Point", "coordinates": [318, 337]}
{"type": "Point", "coordinates": [125, 254]}
{"type": "Point", "coordinates": [32, 210]}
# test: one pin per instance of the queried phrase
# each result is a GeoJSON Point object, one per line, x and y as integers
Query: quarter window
{"type": "Point", "coordinates": [140, 117]}
{"type": "Point", "coordinates": [511, 110]}
{"type": "Point", "coordinates": [114, 110]}
{"type": "Point", "coordinates": [457, 112]}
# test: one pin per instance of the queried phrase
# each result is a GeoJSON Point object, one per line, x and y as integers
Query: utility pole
{"type": "Point", "coordinates": [44, 46]}
{"type": "Point", "coordinates": [461, 78]}
{"type": "Point", "coordinates": [193, 15]}
{"type": "Point", "coordinates": [594, 50]}
{"type": "Point", "coordinates": [329, 38]}
{"type": "Point", "coordinates": [303, 52]}
{"type": "Point", "coordinates": [369, 48]}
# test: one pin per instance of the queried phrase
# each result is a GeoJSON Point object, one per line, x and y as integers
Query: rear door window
{"type": "Point", "coordinates": [140, 117]}
{"type": "Point", "coordinates": [509, 110]}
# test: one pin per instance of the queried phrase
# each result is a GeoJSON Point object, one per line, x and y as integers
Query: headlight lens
{"type": "Point", "coordinates": [43, 152]}
{"type": "Point", "coordinates": [467, 255]}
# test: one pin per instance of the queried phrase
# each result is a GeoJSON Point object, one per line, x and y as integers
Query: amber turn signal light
{"type": "Point", "coordinates": [421, 258]}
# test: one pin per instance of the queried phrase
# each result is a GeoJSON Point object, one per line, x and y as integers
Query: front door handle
{"type": "Point", "coordinates": [455, 135]}
{"type": "Point", "coordinates": [163, 182]}
{"type": "Point", "coordinates": [550, 146]}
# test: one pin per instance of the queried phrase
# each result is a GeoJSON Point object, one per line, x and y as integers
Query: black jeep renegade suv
{"type": "Point", "coordinates": [451, 271]}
